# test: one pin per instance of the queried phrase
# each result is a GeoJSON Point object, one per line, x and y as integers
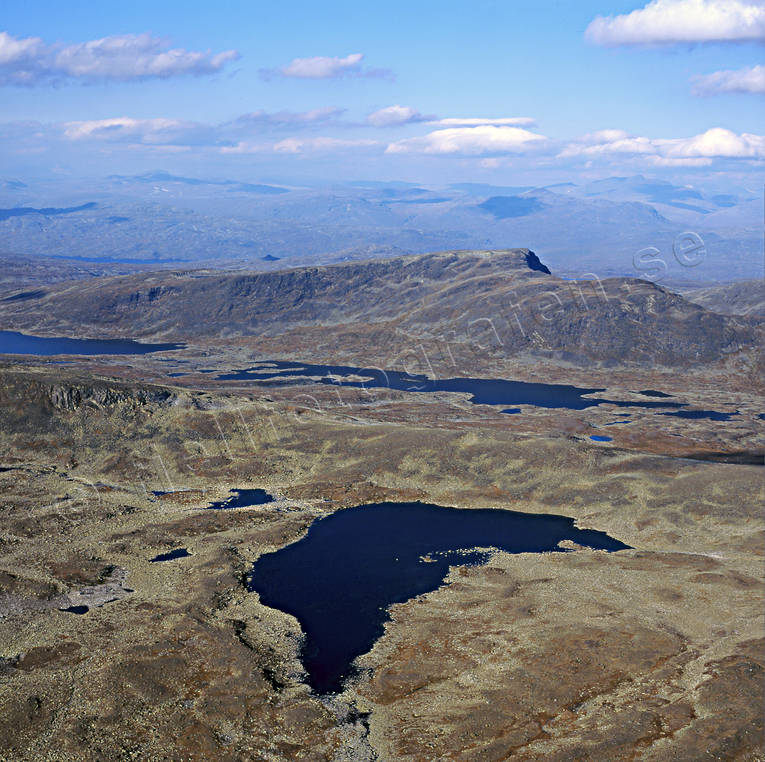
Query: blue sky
{"type": "Point", "coordinates": [671, 86]}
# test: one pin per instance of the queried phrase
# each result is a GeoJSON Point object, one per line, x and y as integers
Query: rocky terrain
{"type": "Point", "coordinates": [651, 653]}
{"type": "Point", "coordinates": [648, 654]}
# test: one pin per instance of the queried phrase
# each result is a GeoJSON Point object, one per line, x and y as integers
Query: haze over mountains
{"type": "Point", "coordinates": [158, 219]}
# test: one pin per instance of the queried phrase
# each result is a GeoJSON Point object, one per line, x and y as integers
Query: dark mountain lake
{"type": "Point", "coordinates": [340, 578]}
{"type": "Point", "coordinates": [484, 391]}
{"type": "Point", "coordinates": [243, 498]}
{"type": "Point", "coordinates": [77, 609]}
{"type": "Point", "coordinates": [653, 393]}
{"type": "Point", "coordinates": [12, 342]}
{"type": "Point", "coordinates": [712, 415]}
{"type": "Point", "coordinates": [171, 555]}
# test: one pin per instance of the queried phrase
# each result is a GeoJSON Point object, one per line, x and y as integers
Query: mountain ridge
{"type": "Point", "coordinates": [506, 302]}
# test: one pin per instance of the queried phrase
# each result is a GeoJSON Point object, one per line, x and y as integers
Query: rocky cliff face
{"type": "Point", "coordinates": [31, 392]}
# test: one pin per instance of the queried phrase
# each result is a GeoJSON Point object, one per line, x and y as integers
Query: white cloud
{"type": "Point", "coordinates": [13, 49]}
{"type": "Point", "coordinates": [716, 143]}
{"type": "Point", "coordinates": [147, 132]}
{"type": "Point", "coordinates": [394, 116]}
{"type": "Point", "coordinates": [518, 121]}
{"type": "Point", "coordinates": [322, 67]}
{"type": "Point", "coordinates": [321, 145]}
{"type": "Point", "coordinates": [663, 22]}
{"type": "Point", "coordinates": [161, 131]}
{"type": "Point", "coordinates": [326, 67]}
{"type": "Point", "coordinates": [607, 142]}
{"type": "Point", "coordinates": [277, 119]}
{"type": "Point", "coordinates": [118, 128]}
{"type": "Point", "coordinates": [604, 136]}
{"type": "Point", "coordinates": [123, 58]}
{"type": "Point", "coordinates": [485, 139]}
{"type": "Point", "coordinates": [747, 80]}
{"type": "Point", "coordinates": [663, 161]}
{"type": "Point", "coordinates": [398, 115]}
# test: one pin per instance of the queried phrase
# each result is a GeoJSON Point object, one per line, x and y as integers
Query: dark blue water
{"type": "Point", "coordinates": [600, 438]}
{"type": "Point", "coordinates": [23, 211]}
{"type": "Point", "coordinates": [12, 342]}
{"type": "Point", "coordinates": [171, 555]}
{"type": "Point", "coordinates": [653, 393]}
{"type": "Point", "coordinates": [242, 498]}
{"type": "Point", "coordinates": [340, 578]}
{"type": "Point", "coordinates": [484, 391]}
{"type": "Point", "coordinates": [713, 415]}
{"type": "Point", "coordinates": [77, 609]}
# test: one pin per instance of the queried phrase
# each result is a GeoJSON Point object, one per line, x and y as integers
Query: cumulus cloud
{"type": "Point", "coordinates": [122, 58]}
{"type": "Point", "coordinates": [117, 128]}
{"type": "Point", "coordinates": [607, 142]}
{"type": "Point", "coordinates": [227, 138]}
{"type": "Point", "coordinates": [484, 139]}
{"type": "Point", "coordinates": [491, 145]}
{"type": "Point", "coordinates": [715, 143]}
{"type": "Point", "coordinates": [395, 116]}
{"type": "Point", "coordinates": [147, 132]}
{"type": "Point", "coordinates": [325, 67]}
{"type": "Point", "coordinates": [666, 22]}
{"type": "Point", "coordinates": [748, 80]}
{"type": "Point", "coordinates": [161, 131]}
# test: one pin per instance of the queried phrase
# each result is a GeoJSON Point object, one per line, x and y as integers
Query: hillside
{"type": "Point", "coordinates": [506, 302]}
{"type": "Point", "coordinates": [744, 297]}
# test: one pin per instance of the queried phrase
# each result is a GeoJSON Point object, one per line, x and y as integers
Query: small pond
{"type": "Point", "coordinates": [242, 498]}
{"type": "Point", "coordinates": [171, 555]}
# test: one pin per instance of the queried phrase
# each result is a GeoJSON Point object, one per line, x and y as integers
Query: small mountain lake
{"type": "Point", "coordinates": [242, 498]}
{"type": "Point", "coordinates": [15, 343]}
{"type": "Point", "coordinates": [483, 391]}
{"type": "Point", "coordinates": [171, 555]}
{"type": "Point", "coordinates": [341, 577]}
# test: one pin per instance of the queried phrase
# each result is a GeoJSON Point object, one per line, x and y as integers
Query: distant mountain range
{"type": "Point", "coordinates": [160, 176]}
{"type": "Point", "coordinates": [598, 227]}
